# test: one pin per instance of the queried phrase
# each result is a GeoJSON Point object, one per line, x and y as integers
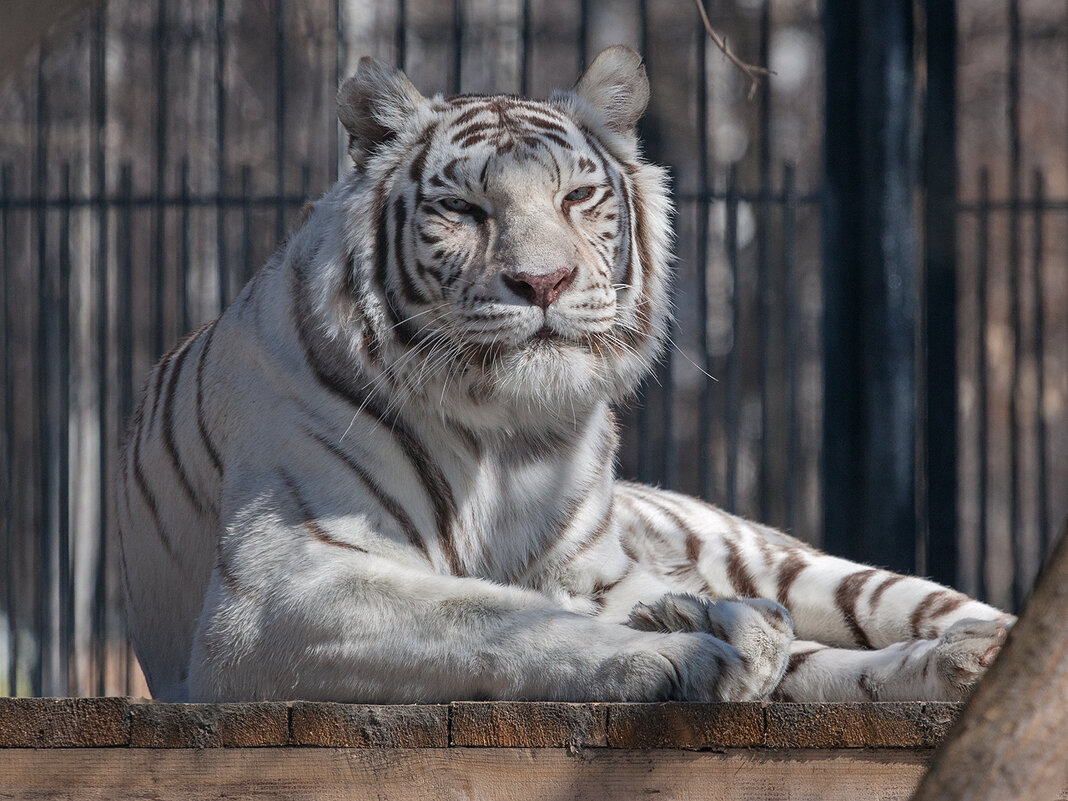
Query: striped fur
{"type": "Point", "coordinates": [385, 473]}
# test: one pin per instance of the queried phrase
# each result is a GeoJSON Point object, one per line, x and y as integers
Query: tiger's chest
{"type": "Point", "coordinates": [517, 516]}
{"type": "Point", "coordinates": [524, 503]}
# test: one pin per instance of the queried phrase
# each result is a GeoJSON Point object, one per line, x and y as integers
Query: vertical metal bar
{"type": "Point", "coordinates": [246, 224]}
{"type": "Point", "coordinates": [668, 467]}
{"type": "Point", "coordinates": [584, 34]}
{"type": "Point", "coordinates": [791, 341]}
{"type": "Point", "coordinates": [704, 422]}
{"type": "Point", "coordinates": [222, 271]}
{"type": "Point", "coordinates": [340, 64]}
{"type": "Point", "coordinates": [124, 280]}
{"type": "Point", "coordinates": [646, 472]}
{"type": "Point", "coordinates": [869, 269]}
{"type": "Point", "coordinates": [1019, 580]}
{"type": "Point", "coordinates": [940, 296]}
{"type": "Point", "coordinates": [280, 119]}
{"type": "Point", "coordinates": [10, 572]}
{"type": "Point", "coordinates": [982, 382]}
{"type": "Point", "coordinates": [124, 316]}
{"type": "Point", "coordinates": [457, 45]}
{"type": "Point", "coordinates": [400, 33]}
{"type": "Point", "coordinates": [1038, 249]}
{"type": "Point", "coordinates": [764, 291]}
{"type": "Point", "coordinates": [840, 454]}
{"type": "Point", "coordinates": [158, 222]}
{"type": "Point", "coordinates": [643, 29]}
{"type": "Point", "coordinates": [525, 42]}
{"type": "Point", "coordinates": [734, 373]}
{"type": "Point", "coordinates": [66, 584]}
{"type": "Point", "coordinates": [45, 524]}
{"type": "Point", "coordinates": [98, 91]}
{"type": "Point", "coordinates": [184, 310]}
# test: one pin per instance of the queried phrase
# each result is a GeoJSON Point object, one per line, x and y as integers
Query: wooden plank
{"type": "Point", "coordinates": [685, 725]}
{"type": "Point", "coordinates": [63, 723]}
{"type": "Point", "coordinates": [369, 725]}
{"type": "Point", "coordinates": [519, 724]}
{"type": "Point", "coordinates": [233, 725]}
{"type": "Point", "coordinates": [105, 722]}
{"type": "Point", "coordinates": [482, 774]}
{"type": "Point", "coordinates": [857, 725]}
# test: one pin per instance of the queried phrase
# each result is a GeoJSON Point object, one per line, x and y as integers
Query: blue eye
{"type": "Point", "coordinates": [459, 205]}
{"type": "Point", "coordinates": [579, 195]}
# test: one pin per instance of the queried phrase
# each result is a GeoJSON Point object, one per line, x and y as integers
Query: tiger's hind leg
{"type": "Point", "coordinates": [700, 549]}
{"type": "Point", "coordinates": [939, 669]}
{"type": "Point", "coordinates": [871, 621]}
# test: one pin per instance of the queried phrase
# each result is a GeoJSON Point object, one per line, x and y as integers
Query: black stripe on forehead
{"type": "Point", "coordinates": [544, 123]}
{"type": "Point", "coordinates": [547, 158]}
{"type": "Point", "coordinates": [467, 116]}
{"type": "Point", "coordinates": [449, 170]}
{"type": "Point", "coordinates": [474, 129]}
{"type": "Point", "coordinates": [556, 140]}
{"type": "Point", "coordinates": [506, 121]}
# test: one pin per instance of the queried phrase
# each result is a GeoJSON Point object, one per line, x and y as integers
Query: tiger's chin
{"type": "Point", "coordinates": [553, 377]}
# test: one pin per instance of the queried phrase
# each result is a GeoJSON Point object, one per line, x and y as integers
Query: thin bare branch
{"type": "Point", "coordinates": [752, 71]}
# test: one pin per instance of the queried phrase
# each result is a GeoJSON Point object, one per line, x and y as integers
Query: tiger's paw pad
{"type": "Point", "coordinates": [966, 650]}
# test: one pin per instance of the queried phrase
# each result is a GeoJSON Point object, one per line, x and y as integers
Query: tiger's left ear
{"type": "Point", "coordinates": [616, 85]}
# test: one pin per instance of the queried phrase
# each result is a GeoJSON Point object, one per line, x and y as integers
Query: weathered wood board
{"type": "Point", "coordinates": [117, 748]}
{"type": "Point", "coordinates": [479, 774]}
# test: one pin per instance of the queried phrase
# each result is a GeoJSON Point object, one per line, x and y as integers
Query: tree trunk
{"type": "Point", "coordinates": [1011, 741]}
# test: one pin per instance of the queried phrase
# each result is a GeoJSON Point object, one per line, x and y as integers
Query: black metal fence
{"type": "Point", "coordinates": [900, 409]}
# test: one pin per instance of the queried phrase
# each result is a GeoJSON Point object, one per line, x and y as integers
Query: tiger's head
{"type": "Point", "coordinates": [514, 250]}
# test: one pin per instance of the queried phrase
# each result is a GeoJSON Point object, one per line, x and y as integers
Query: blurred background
{"type": "Point", "coordinates": [871, 259]}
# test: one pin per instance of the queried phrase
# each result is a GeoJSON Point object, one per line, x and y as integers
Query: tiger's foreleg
{"type": "Point", "coordinates": [311, 612]}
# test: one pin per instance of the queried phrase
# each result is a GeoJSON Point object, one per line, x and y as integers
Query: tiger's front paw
{"type": "Point", "coordinates": [759, 630]}
{"type": "Point", "coordinates": [964, 652]}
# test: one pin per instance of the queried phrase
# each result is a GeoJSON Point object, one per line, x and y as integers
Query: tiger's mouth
{"type": "Point", "coordinates": [547, 335]}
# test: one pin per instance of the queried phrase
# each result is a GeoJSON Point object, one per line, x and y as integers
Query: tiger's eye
{"type": "Point", "coordinates": [459, 205]}
{"type": "Point", "coordinates": [579, 195]}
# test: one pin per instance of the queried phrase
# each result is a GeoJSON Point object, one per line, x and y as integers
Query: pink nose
{"type": "Point", "coordinates": [540, 289]}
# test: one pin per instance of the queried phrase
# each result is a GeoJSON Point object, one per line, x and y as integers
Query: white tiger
{"type": "Point", "coordinates": [385, 473]}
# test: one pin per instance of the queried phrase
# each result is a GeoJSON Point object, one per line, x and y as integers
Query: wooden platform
{"type": "Point", "coordinates": [117, 748]}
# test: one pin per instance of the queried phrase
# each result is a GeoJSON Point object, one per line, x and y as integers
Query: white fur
{"type": "Point", "coordinates": [434, 519]}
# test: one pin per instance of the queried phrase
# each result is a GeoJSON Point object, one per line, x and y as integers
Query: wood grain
{"type": "Point", "coordinates": [107, 722]}
{"type": "Point", "coordinates": [479, 774]}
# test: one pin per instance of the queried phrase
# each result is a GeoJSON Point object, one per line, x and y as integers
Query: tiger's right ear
{"type": "Point", "coordinates": [373, 105]}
